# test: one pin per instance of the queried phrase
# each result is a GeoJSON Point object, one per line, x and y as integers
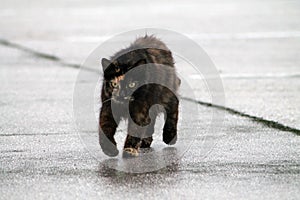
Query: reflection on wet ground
{"type": "Point", "coordinates": [147, 161]}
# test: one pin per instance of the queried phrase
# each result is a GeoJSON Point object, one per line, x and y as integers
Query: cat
{"type": "Point", "coordinates": [130, 78]}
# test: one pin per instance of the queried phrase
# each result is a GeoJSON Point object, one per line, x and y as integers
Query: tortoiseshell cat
{"type": "Point", "coordinates": [131, 77]}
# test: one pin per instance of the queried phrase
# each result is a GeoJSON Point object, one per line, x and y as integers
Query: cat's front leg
{"type": "Point", "coordinates": [147, 139]}
{"type": "Point", "coordinates": [133, 139]}
{"type": "Point", "coordinates": [107, 130]}
{"type": "Point", "coordinates": [135, 134]}
{"type": "Point", "coordinates": [170, 127]}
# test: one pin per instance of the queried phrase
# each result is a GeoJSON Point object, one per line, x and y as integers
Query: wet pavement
{"type": "Point", "coordinates": [253, 44]}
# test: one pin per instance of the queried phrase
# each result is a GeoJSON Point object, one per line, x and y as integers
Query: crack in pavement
{"type": "Point", "coordinates": [265, 122]}
{"type": "Point", "coordinates": [44, 55]}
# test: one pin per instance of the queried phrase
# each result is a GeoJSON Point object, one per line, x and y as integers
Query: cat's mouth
{"type": "Point", "coordinates": [123, 99]}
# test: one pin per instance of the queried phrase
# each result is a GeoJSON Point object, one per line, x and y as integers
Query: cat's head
{"type": "Point", "coordinates": [119, 86]}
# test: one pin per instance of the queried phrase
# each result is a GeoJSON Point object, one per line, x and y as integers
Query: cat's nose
{"type": "Point", "coordinates": [122, 93]}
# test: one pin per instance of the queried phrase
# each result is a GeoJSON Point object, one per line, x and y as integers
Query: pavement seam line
{"type": "Point", "coordinates": [43, 55]}
{"type": "Point", "coordinates": [265, 122]}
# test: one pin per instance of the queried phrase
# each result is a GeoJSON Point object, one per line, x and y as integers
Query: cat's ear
{"type": "Point", "coordinates": [105, 63]}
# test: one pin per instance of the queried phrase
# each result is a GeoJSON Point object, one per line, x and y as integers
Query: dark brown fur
{"type": "Point", "coordinates": [117, 83]}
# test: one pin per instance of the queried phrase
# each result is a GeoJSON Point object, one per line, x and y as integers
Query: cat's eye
{"type": "Point", "coordinates": [114, 84]}
{"type": "Point", "coordinates": [132, 84]}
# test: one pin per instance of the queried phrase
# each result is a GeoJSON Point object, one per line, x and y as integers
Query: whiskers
{"type": "Point", "coordinates": [107, 100]}
{"type": "Point", "coordinates": [113, 100]}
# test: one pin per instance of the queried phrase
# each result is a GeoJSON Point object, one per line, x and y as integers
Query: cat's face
{"type": "Point", "coordinates": [119, 86]}
{"type": "Point", "coordinates": [122, 88]}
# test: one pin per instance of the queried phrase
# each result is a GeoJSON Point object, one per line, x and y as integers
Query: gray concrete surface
{"type": "Point", "coordinates": [254, 45]}
{"type": "Point", "coordinates": [248, 40]}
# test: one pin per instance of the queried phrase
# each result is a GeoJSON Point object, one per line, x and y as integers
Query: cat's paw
{"type": "Point", "coordinates": [110, 151]}
{"type": "Point", "coordinates": [146, 142]}
{"type": "Point", "coordinates": [108, 146]}
{"type": "Point", "coordinates": [170, 140]}
{"type": "Point", "coordinates": [130, 152]}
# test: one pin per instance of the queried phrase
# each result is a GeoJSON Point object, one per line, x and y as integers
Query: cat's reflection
{"type": "Point", "coordinates": [162, 163]}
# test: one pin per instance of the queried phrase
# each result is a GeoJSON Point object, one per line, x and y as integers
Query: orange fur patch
{"type": "Point", "coordinates": [119, 78]}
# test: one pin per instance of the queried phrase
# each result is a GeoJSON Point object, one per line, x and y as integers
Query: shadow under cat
{"type": "Point", "coordinates": [148, 161]}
